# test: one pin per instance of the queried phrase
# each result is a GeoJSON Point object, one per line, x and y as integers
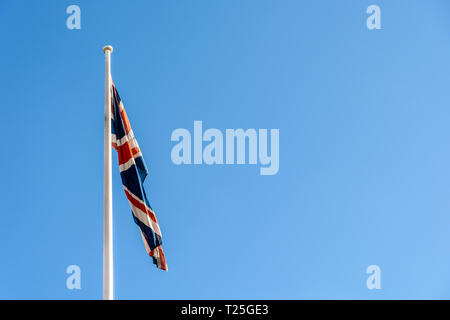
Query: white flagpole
{"type": "Point", "coordinates": [108, 270]}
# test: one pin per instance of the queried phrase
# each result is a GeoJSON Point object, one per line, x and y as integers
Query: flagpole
{"type": "Point", "coordinates": [108, 269]}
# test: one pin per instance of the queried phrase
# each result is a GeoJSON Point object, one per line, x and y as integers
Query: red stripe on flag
{"type": "Point", "coordinates": [162, 258]}
{"type": "Point", "coordinates": [138, 204]}
{"type": "Point", "coordinates": [125, 152]}
{"type": "Point", "coordinates": [125, 121]}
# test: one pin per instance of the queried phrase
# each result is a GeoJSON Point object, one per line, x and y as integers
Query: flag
{"type": "Point", "coordinates": [133, 172]}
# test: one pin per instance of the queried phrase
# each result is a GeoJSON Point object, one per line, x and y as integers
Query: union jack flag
{"type": "Point", "coordinates": [133, 172]}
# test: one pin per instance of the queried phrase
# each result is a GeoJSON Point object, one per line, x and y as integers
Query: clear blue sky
{"type": "Point", "coordinates": [364, 172]}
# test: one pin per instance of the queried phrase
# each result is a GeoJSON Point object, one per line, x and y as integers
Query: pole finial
{"type": "Point", "coordinates": [107, 48]}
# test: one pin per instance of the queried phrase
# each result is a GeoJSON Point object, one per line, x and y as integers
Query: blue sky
{"type": "Point", "coordinates": [364, 172]}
